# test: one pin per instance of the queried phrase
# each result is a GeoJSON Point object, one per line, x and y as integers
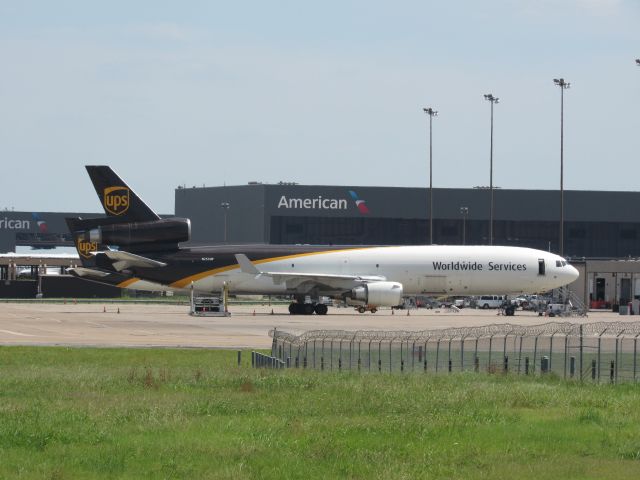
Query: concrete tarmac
{"type": "Point", "coordinates": [153, 325]}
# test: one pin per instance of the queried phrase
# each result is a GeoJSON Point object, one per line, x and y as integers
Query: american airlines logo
{"type": "Point", "coordinates": [322, 203]}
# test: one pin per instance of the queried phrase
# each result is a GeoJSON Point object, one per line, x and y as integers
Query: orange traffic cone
{"type": "Point", "coordinates": [254, 312]}
{"type": "Point", "coordinates": [104, 309]}
{"type": "Point", "coordinates": [272, 311]}
{"type": "Point", "coordinates": [118, 309]}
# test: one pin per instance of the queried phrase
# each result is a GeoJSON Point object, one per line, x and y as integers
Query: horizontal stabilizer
{"type": "Point", "coordinates": [122, 260]}
{"type": "Point", "coordinates": [87, 272]}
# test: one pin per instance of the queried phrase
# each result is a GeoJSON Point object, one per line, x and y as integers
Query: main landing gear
{"type": "Point", "coordinates": [307, 308]}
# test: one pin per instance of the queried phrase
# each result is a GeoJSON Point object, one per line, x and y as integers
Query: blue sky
{"type": "Point", "coordinates": [330, 92]}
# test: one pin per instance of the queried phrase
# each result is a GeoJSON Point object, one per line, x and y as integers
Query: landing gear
{"type": "Point", "coordinates": [321, 309]}
{"type": "Point", "coordinates": [296, 308]}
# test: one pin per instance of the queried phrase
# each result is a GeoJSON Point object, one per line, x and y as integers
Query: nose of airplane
{"type": "Point", "coordinates": [572, 273]}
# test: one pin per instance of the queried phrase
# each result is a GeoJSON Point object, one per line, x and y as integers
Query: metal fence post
{"type": "Point", "coordinates": [413, 356]}
{"type": "Point", "coordinates": [437, 353]}
{"type": "Point", "coordinates": [593, 369]}
{"type": "Point", "coordinates": [566, 354]}
{"type": "Point", "coordinates": [635, 356]}
{"type": "Point", "coordinates": [476, 364]}
{"type": "Point", "coordinates": [450, 362]}
{"type": "Point", "coordinates": [490, 349]}
{"type": "Point", "coordinates": [520, 355]}
{"type": "Point", "coordinates": [390, 342]}
{"type": "Point", "coordinates": [581, 350]}
{"type": "Point", "coordinates": [600, 350]}
{"type": "Point", "coordinates": [572, 367]}
{"type": "Point", "coordinates": [526, 365]}
{"type": "Point", "coordinates": [612, 371]}
{"type": "Point", "coordinates": [331, 355]}
{"type": "Point", "coordinates": [535, 352]}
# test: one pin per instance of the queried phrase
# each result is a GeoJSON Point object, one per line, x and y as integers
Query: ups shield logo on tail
{"type": "Point", "coordinates": [85, 248]}
{"type": "Point", "coordinates": [116, 200]}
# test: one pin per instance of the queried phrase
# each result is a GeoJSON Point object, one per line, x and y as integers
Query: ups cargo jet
{"type": "Point", "coordinates": [134, 248]}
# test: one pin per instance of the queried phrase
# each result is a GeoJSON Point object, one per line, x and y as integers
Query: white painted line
{"type": "Point", "coordinates": [16, 333]}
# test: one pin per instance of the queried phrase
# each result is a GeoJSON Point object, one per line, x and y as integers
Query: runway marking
{"type": "Point", "coordinates": [99, 325]}
{"type": "Point", "coordinates": [17, 333]}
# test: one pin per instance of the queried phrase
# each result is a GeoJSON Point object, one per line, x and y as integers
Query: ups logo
{"type": "Point", "coordinates": [116, 200]}
{"type": "Point", "coordinates": [85, 248]}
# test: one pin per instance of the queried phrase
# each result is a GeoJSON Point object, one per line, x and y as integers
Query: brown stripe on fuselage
{"type": "Point", "coordinates": [128, 282]}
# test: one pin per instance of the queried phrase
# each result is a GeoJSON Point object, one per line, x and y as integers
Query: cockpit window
{"type": "Point", "coordinates": [558, 263]}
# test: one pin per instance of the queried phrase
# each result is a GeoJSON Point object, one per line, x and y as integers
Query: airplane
{"type": "Point", "coordinates": [134, 248]}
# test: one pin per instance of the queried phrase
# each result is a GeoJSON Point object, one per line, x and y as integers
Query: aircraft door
{"type": "Point", "coordinates": [433, 284]}
{"type": "Point", "coordinates": [541, 266]}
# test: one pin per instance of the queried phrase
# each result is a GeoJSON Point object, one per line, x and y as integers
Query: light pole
{"type": "Point", "coordinates": [464, 211]}
{"type": "Point", "coordinates": [493, 101]}
{"type": "Point", "coordinates": [432, 113]}
{"type": "Point", "coordinates": [560, 82]}
{"type": "Point", "coordinates": [225, 208]}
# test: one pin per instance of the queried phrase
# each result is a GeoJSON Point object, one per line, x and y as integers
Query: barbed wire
{"type": "Point", "coordinates": [598, 329]}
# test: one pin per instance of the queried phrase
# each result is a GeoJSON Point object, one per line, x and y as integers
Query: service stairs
{"type": "Point", "coordinates": [575, 307]}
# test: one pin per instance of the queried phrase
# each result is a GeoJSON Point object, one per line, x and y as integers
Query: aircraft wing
{"type": "Point", "coordinates": [121, 260]}
{"type": "Point", "coordinates": [295, 280]}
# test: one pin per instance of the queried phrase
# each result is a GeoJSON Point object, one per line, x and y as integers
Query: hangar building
{"type": "Point", "coordinates": [598, 224]}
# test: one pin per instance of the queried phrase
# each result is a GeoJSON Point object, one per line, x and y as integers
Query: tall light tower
{"type": "Point", "coordinates": [225, 208]}
{"type": "Point", "coordinates": [432, 113]}
{"type": "Point", "coordinates": [489, 97]}
{"type": "Point", "coordinates": [563, 84]}
{"type": "Point", "coordinates": [464, 211]}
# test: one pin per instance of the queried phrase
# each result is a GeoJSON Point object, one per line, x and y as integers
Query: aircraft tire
{"type": "Point", "coordinates": [293, 308]}
{"type": "Point", "coordinates": [307, 309]}
{"type": "Point", "coordinates": [321, 309]}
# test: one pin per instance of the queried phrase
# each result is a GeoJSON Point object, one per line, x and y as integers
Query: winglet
{"type": "Point", "coordinates": [245, 264]}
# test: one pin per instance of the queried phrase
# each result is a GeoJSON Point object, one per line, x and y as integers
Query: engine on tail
{"type": "Point", "coordinates": [387, 294]}
{"type": "Point", "coordinates": [169, 230]}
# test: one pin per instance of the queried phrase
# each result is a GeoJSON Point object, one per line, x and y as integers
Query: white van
{"type": "Point", "coordinates": [490, 301]}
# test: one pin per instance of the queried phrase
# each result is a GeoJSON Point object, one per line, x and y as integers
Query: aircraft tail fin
{"type": "Point", "coordinates": [117, 198]}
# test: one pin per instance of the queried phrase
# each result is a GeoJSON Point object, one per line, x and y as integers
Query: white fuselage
{"type": "Point", "coordinates": [451, 270]}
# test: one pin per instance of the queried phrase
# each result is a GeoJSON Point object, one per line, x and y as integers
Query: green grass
{"type": "Point", "coordinates": [124, 413]}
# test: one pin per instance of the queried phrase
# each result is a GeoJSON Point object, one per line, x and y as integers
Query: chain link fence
{"type": "Point", "coordinates": [603, 351]}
